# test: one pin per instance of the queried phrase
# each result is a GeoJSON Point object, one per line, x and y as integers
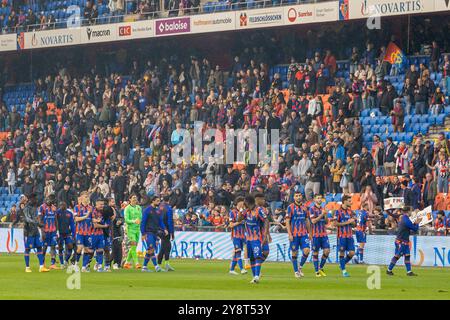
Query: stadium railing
{"type": "Point", "coordinates": [207, 8]}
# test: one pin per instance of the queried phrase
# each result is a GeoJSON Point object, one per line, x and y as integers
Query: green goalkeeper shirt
{"type": "Point", "coordinates": [133, 213]}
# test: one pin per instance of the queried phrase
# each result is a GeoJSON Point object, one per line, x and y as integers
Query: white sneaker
{"type": "Point", "coordinates": [76, 268]}
{"type": "Point", "coordinates": [169, 267]}
{"type": "Point", "coordinates": [243, 271]}
{"type": "Point", "coordinates": [255, 280]}
{"type": "Point", "coordinates": [158, 269]}
{"type": "Point", "coordinates": [115, 266]}
{"type": "Point", "coordinates": [300, 272]}
{"type": "Point", "coordinates": [233, 272]}
{"type": "Point", "coordinates": [297, 274]}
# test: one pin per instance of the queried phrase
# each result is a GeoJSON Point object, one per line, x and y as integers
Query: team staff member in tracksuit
{"type": "Point", "coordinates": [32, 238]}
{"type": "Point", "coordinates": [115, 257]}
{"type": "Point", "coordinates": [166, 245]}
{"type": "Point", "coordinates": [66, 230]}
{"type": "Point", "coordinates": [404, 230]}
{"type": "Point", "coordinates": [152, 227]}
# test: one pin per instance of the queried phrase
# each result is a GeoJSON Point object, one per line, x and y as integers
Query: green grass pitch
{"type": "Point", "coordinates": [205, 279]}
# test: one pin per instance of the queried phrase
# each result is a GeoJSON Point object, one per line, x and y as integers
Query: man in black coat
{"type": "Point", "coordinates": [389, 160]}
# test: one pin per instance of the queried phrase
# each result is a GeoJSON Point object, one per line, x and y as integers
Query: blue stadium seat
{"type": "Point", "coordinates": [424, 128]}
{"type": "Point", "coordinates": [365, 121]}
{"type": "Point", "coordinates": [374, 129]}
{"type": "Point", "coordinates": [373, 121]}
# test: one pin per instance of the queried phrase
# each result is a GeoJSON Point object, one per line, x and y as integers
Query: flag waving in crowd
{"type": "Point", "coordinates": [395, 55]}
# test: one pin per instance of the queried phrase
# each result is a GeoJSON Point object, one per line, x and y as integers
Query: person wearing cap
{"type": "Point", "coordinates": [402, 244]}
{"type": "Point", "coordinates": [32, 238]}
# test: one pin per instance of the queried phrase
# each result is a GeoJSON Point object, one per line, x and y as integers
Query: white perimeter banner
{"type": "Point", "coordinates": [430, 251]}
{"type": "Point", "coordinates": [441, 5]}
{"type": "Point", "coordinates": [360, 9]}
{"type": "Point", "coordinates": [8, 42]}
{"type": "Point", "coordinates": [51, 38]}
{"type": "Point", "coordinates": [260, 18]}
{"type": "Point", "coordinates": [135, 30]}
{"type": "Point", "coordinates": [221, 21]}
{"type": "Point", "coordinates": [311, 13]}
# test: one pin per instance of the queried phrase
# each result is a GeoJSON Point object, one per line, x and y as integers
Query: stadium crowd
{"type": "Point", "coordinates": [112, 135]}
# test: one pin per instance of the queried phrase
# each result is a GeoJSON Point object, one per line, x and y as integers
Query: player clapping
{"type": "Point", "coordinates": [298, 227]}
{"type": "Point", "coordinates": [345, 221]}
{"type": "Point", "coordinates": [319, 220]}
{"type": "Point", "coordinates": [237, 235]}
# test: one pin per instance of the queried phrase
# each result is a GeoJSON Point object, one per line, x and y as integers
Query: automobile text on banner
{"type": "Point", "coordinates": [259, 18]}
{"type": "Point", "coordinates": [431, 251]}
{"type": "Point", "coordinates": [425, 214]}
{"type": "Point", "coordinates": [135, 30]}
{"type": "Point", "coordinates": [8, 42]}
{"type": "Point", "coordinates": [51, 38]}
{"type": "Point", "coordinates": [164, 27]}
{"type": "Point", "coordinates": [221, 21]}
{"type": "Point", "coordinates": [98, 33]}
{"type": "Point", "coordinates": [359, 9]}
{"type": "Point", "coordinates": [393, 203]}
{"type": "Point", "coordinates": [311, 13]}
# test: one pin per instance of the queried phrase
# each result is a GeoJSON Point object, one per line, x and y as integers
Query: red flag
{"type": "Point", "coordinates": [394, 54]}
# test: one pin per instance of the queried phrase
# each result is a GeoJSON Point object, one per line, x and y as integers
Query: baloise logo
{"type": "Point", "coordinates": [173, 26]}
{"type": "Point", "coordinates": [97, 34]}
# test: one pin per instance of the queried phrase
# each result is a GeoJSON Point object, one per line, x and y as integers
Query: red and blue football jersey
{"type": "Point", "coordinates": [361, 224]}
{"type": "Point", "coordinates": [97, 215]}
{"type": "Point", "coordinates": [48, 216]}
{"type": "Point", "coordinates": [238, 232]}
{"type": "Point", "coordinates": [297, 216]}
{"type": "Point", "coordinates": [253, 220]}
{"type": "Point", "coordinates": [84, 227]}
{"type": "Point", "coordinates": [318, 229]}
{"type": "Point", "coordinates": [343, 215]}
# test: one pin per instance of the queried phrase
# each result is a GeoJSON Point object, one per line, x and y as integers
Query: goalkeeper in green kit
{"type": "Point", "coordinates": [133, 217]}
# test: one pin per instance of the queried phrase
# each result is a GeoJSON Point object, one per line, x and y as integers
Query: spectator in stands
{"type": "Point", "coordinates": [389, 160]}
{"type": "Point", "coordinates": [12, 214]}
{"type": "Point", "coordinates": [435, 56]}
{"type": "Point", "coordinates": [440, 224]}
{"type": "Point", "coordinates": [437, 101]}
{"type": "Point", "coordinates": [11, 180]}
{"type": "Point", "coordinates": [429, 190]}
{"type": "Point", "coordinates": [398, 116]}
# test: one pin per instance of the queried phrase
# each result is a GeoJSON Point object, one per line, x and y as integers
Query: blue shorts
{"type": "Point", "coordinates": [402, 248]}
{"type": "Point", "coordinates": [151, 241]}
{"type": "Point", "coordinates": [254, 249]}
{"type": "Point", "coordinates": [346, 244]}
{"type": "Point", "coordinates": [84, 240]}
{"type": "Point", "coordinates": [98, 241]}
{"type": "Point", "coordinates": [320, 243]}
{"type": "Point", "coordinates": [265, 247]}
{"type": "Point", "coordinates": [360, 237]}
{"type": "Point", "coordinates": [65, 239]}
{"type": "Point", "coordinates": [50, 239]}
{"type": "Point", "coordinates": [302, 242]}
{"type": "Point", "coordinates": [238, 243]}
{"type": "Point", "coordinates": [108, 242]}
{"type": "Point", "coordinates": [32, 242]}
